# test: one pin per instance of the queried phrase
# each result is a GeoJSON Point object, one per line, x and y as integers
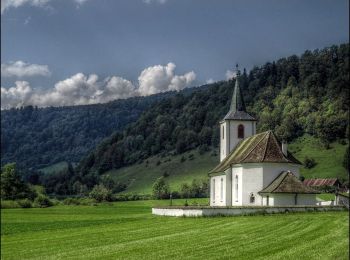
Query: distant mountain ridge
{"type": "Point", "coordinates": [38, 137]}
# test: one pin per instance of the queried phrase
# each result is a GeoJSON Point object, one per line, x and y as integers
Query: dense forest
{"type": "Point", "coordinates": [292, 96]}
{"type": "Point", "coordinates": [36, 137]}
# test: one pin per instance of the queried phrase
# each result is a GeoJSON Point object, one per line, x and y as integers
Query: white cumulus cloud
{"type": "Point", "coordinates": [23, 69]}
{"type": "Point", "coordinates": [81, 89]}
{"type": "Point", "coordinates": [6, 4]}
{"type": "Point", "coordinates": [160, 78]}
{"type": "Point", "coordinates": [230, 74]}
{"type": "Point", "coordinates": [16, 96]}
{"type": "Point", "coordinates": [209, 81]}
{"type": "Point", "coordinates": [80, 2]}
{"type": "Point", "coordinates": [155, 1]}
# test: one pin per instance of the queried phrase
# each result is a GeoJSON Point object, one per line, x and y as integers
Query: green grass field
{"type": "Point", "coordinates": [128, 230]}
{"type": "Point", "coordinates": [140, 177]}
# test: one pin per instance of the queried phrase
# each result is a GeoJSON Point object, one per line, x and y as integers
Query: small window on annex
{"type": "Point", "coordinates": [252, 198]}
{"type": "Point", "coordinates": [241, 131]}
{"type": "Point", "coordinates": [223, 132]}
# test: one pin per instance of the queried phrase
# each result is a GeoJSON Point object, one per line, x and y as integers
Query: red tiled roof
{"type": "Point", "coordinates": [321, 182]}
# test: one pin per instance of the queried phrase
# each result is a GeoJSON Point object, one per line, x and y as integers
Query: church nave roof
{"type": "Point", "coordinates": [259, 148]}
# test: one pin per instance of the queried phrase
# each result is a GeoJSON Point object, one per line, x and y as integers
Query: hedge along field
{"type": "Point", "coordinates": [128, 230]}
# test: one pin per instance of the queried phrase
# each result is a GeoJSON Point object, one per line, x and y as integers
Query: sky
{"type": "Point", "coordinates": [73, 52]}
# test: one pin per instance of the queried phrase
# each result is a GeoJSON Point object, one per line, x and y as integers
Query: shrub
{"type": "Point", "coordinates": [175, 195]}
{"type": "Point", "coordinates": [56, 202]}
{"type": "Point", "coordinates": [71, 201]}
{"type": "Point", "coordinates": [165, 174]}
{"type": "Point", "coordinates": [185, 190]}
{"type": "Point", "coordinates": [43, 201]}
{"type": "Point", "coordinates": [25, 203]}
{"type": "Point", "coordinates": [131, 197]}
{"type": "Point", "coordinates": [309, 162]}
{"type": "Point", "coordinates": [101, 193]}
{"type": "Point", "coordinates": [9, 204]}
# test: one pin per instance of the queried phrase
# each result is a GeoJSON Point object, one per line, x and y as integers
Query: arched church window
{"type": "Point", "coordinates": [222, 189]}
{"type": "Point", "coordinates": [251, 198]}
{"type": "Point", "coordinates": [213, 190]}
{"type": "Point", "coordinates": [241, 131]}
{"type": "Point", "coordinates": [236, 187]}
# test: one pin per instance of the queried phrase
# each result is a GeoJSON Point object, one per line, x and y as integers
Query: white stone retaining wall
{"type": "Point", "coordinates": [215, 211]}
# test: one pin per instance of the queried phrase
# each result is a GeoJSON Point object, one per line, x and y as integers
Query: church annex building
{"type": "Point", "coordinates": [254, 169]}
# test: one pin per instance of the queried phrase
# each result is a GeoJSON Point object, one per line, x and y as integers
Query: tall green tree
{"type": "Point", "coordinates": [160, 189]}
{"type": "Point", "coordinates": [12, 187]}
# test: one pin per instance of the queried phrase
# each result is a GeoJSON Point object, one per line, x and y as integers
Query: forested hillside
{"type": "Point", "coordinates": [292, 96]}
{"type": "Point", "coordinates": [36, 137]}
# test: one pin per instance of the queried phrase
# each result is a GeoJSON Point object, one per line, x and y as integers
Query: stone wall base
{"type": "Point", "coordinates": [236, 211]}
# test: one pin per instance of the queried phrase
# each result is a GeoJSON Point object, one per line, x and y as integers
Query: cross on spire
{"type": "Point", "coordinates": [237, 102]}
{"type": "Point", "coordinates": [237, 70]}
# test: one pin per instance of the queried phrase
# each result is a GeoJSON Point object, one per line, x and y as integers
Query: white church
{"type": "Point", "coordinates": [254, 169]}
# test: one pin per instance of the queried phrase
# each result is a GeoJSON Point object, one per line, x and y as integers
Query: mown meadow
{"type": "Point", "coordinates": [128, 230]}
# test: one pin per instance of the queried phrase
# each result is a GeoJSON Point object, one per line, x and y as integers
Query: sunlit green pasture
{"type": "Point", "coordinates": [128, 230]}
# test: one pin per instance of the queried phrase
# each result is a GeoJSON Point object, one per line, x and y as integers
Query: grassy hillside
{"type": "Point", "coordinates": [54, 167]}
{"type": "Point", "coordinates": [328, 161]}
{"type": "Point", "coordinates": [140, 177]}
{"type": "Point", "coordinates": [128, 230]}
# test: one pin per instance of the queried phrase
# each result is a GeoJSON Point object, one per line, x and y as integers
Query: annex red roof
{"type": "Point", "coordinates": [321, 182]}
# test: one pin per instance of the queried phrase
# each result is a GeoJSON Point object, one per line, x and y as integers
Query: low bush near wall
{"type": "Point", "coordinates": [131, 197]}
{"type": "Point", "coordinates": [25, 203]}
{"type": "Point", "coordinates": [9, 204]}
{"type": "Point", "coordinates": [79, 201]}
{"type": "Point", "coordinates": [43, 201]}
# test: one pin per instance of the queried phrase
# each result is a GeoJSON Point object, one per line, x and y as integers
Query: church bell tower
{"type": "Point", "coordinates": [237, 124]}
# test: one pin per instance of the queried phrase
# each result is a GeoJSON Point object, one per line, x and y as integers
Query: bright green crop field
{"type": "Point", "coordinates": [128, 230]}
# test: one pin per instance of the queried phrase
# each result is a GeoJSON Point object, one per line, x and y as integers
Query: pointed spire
{"type": "Point", "coordinates": [237, 102]}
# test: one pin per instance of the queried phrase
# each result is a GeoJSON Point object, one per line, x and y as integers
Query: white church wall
{"type": "Point", "coordinates": [282, 199]}
{"type": "Point", "coordinates": [236, 193]}
{"type": "Point", "coordinates": [306, 199]}
{"type": "Point", "coordinates": [228, 191]}
{"type": "Point", "coordinates": [218, 190]}
{"type": "Point", "coordinates": [252, 183]}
